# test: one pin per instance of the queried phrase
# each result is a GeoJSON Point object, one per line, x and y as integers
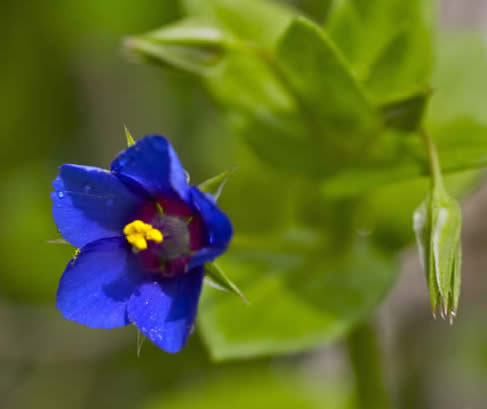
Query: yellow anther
{"type": "Point", "coordinates": [138, 233]}
{"type": "Point", "coordinates": [75, 256]}
{"type": "Point", "coordinates": [154, 235]}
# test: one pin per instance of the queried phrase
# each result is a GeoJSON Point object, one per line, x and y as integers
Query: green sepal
{"type": "Point", "coordinates": [140, 341]}
{"type": "Point", "coordinates": [216, 277]}
{"type": "Point", "coordinates": [192, 45]}
{"type": "Point", "coordinates": [130, 138]}
{"type": "Point", "coordinates": [215, 184]}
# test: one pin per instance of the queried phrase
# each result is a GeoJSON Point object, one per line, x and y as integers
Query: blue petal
{"type": "Point", "coordinates": [218, 228]}
{"type": "Point", "coordinates": [98, 283]}
{"type": "Point", "coordinates": [164, 310]}
{"type": "Point", "coordinates": [90, 204]}
{"type": "Point", "coordinates": [153, 165]}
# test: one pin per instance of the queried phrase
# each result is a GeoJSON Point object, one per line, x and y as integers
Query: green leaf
{"type": "Point", "coordinates": [316, 9]}
{"type": "Point", "coordinates": [196, 7]}
{"type": "Point", "coordinates": [246, 19]}
{"type": "Point", "coordinates": [261, 109]}
{"type": "Point", "coordinates": [256, 386]}
{"type": "Point", "coordinates": [299, 300]}
{"type": "Point", "coordinates": [459, 80]}
{"type": "Point", "coordinates": [455, 117]}
{"type": "Point", "coordinates": [215, 184]}
{"type": "Point", "coordinates": [259, 105]}
{"type": "Point", "coordinates": [407, 113]}
{"type": "Point", "coordinates": [341, 118]}
{"type": "Point", "coordinates": [255, 200]}
{"type": "Point", "coordinates": [462, 145]}
{"type": "Point", "coordinates": [130, 138]}
{"type": "Point", "coordinates": [388, 42]}
{"type": "Point", "coordinates": [405, 66]}
{"type": "Point", "coordinates": [272, 105]}
{"type": "Point", "coordinates": [219, 279]}
{"type": "Point", "coordinates": [281, 140]}
{"type": "Point", "coordinates": [192, 45]}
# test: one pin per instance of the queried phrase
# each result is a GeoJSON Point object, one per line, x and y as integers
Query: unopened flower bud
{"type": "Point", "coordinates": [437, 224]}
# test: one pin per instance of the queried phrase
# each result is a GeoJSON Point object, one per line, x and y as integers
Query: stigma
{"type": "Point", "coordinates": [139, 233]}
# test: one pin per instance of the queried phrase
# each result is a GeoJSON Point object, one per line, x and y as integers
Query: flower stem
{"type": "Point", "coordinates": [364, 356]}
{"type": "Point", "coordinates": [434, 162]}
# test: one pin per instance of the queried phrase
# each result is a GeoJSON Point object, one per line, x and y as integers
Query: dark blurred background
{"type": "Point", "coordinates": [66, 92]}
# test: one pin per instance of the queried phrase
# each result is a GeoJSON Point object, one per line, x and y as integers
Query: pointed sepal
{"type": "Point", "coordinates": [214, 185]}
{"type": "Point", "coordinates": [216, 278]}
{"type": "Point", "coordinates": [130, 138]}
{"type": "Point", "coordinates": [140, 341]}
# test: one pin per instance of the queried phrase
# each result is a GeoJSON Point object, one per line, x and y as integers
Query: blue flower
{"type": "Point", "coordinates": [143, 236]}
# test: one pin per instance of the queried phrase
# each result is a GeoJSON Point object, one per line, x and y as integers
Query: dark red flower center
{"type": "Point", "coordinates": [183, 234]}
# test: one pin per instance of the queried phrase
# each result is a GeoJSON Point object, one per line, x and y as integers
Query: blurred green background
{"type": "Point", "coordinates": [66, 92]}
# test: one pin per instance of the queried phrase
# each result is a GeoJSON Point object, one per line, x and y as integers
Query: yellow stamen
{"type": "Point", "coordinates": [138, 233]}
{"type": "Point", "coordinates": [75, 256]}
{"type": "Point", "coordinates": [154, 235]}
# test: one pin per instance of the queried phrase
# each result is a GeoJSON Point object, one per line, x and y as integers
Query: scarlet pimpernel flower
{"type": "Point", "coordinates": [143, 236]}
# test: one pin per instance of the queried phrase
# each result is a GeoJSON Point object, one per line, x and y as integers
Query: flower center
{"type": "Point", "coordinates": [139, 233]}
{"type": "Point", "coordinates": [165, 234]}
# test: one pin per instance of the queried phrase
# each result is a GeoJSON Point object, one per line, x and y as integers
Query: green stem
{"type": "Point", "coordinates": [364, 356]}
{"type": "Point", "coordinates": [434, 162]}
